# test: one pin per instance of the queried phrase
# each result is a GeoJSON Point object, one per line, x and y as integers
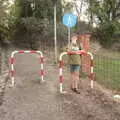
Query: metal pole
{"type": "Point", "coordinates": [68, 35]}
{"type": "Point", "coordinates": [0, 60]}
{"type": "Point", "coordinates": [55, 34]}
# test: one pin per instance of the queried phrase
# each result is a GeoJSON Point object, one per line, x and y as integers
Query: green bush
{"type": "Point", "coordinates": [107, 34]}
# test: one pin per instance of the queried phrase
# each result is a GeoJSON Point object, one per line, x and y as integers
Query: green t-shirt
{"type": "Point", "coordinates": [74, 59]}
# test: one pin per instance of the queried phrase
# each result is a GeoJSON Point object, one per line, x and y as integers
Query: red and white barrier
{"type": "Point", "coordinates": [12, 71]}
{"type": "Point", "coordinates": [61, 66]}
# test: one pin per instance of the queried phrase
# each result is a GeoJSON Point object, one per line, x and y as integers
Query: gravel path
{"type": "Point", "coordinates": [30, 100]}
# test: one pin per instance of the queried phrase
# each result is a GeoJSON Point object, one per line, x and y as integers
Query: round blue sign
{"type": "Point", "coordinates": [69, 20]}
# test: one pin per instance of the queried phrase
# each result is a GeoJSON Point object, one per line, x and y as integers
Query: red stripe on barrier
{"type": "Point", "coordinates": [77, 52]}
{"type": "Point", "coordinates": [41, 59]}
{"type": "Point", "coordinates": [61, 79]}
{"type": "Point", "coordinates": [32, 51]}
{"type": "Point", "coordinates": [91, 76]}
{"type": "Point", "coordinates": [11, 60]}
{"type": "Point", "coordinates": [41, 72]}
{"type": "Point", "coordinates": [21, 51]}
{"type": "Point", "coordinates": [12, 72]}
{"type": "Point", "coordinates": [60, 64]}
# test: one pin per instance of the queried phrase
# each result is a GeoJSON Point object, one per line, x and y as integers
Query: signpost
{"type": "Point", "coordinates": [69, 20]}
{"type": "Point", "coordinates": [55, 34]}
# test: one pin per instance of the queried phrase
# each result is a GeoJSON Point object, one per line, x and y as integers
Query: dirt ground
{"type": "Point", "coordinates": [32, 100]}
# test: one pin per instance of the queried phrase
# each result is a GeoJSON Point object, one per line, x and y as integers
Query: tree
{"type": "Point", "coordinates": [39, 8]}
{"type": "Point", "coordinates": [35, 18]}
{"type": "Point", "coordinates": [3, 19]}
{"type": "Point", "coordinates": [106, 14]}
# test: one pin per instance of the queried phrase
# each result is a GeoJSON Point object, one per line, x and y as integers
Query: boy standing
{"type": "Point", "coordinates": [75, 62]}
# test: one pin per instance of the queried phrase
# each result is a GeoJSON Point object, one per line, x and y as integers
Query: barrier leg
{"type": "Point", "coordinates": [42, 72]}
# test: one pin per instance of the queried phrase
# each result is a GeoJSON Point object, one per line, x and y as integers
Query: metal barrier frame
{"type": "Point", "coordinates": [61, 66]}
{"type": "Point", "coordinates": [12, 71]}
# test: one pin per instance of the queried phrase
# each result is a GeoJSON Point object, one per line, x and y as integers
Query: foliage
{"type": "Point", "coordinates": [39, 8]}
{"type": "Point", "coordinates": [107, 33]}
{"type": "Point", "coordinates": [32, 28]}
{"type": "Point", "coordinates": [3, 13]}
{"type": "Point", "coordinates": [3, 20]}
{"type": "Point", "coordinates": [106, 14]}
{"type": "Point", "coordinates": [36, 17]}
{"type": "Point", "coordinates": [9, 16]}
{"type": "Point", "coordinates": [30, 16]}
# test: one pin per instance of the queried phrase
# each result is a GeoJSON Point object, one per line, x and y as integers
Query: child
{"type": "Point", "coordinates": [75, 62]}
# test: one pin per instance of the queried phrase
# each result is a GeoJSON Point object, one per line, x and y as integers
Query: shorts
{"type": "Point", "coordinates": [74, 68]}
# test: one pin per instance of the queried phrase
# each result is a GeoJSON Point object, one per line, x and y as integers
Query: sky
{"type": "Point", "coordinates": [11, 1]}
{"type": "Point", "coordinates": [83, 15]}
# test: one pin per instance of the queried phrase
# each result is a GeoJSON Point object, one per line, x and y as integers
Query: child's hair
{"type": "Point", "coordinates": [73, 35]}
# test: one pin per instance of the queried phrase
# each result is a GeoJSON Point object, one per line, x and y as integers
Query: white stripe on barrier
{"type": "Point", "coordinates": [90, 55]}
{"type": "Point", "coordinates": [91, 69]}
{"type": "Point", "coordinates": [42, 78]}
{"type": "Point", "coordinates": [61, 88]}
{"type": "Point", "coordinates": [13, 82]}
{"type": "Point", "coordinates": [27, 51]}
{"type": "Point", "coordinates": [60, 71]}
{"type": "Point", "coordinates": [61, 55]}
{"type": "Point", "coordinates": [92, 84]}
{"type": "Point", "coordinates": [40, 53]}
{"type": "Point", "coordinates": [12, 63]}
{"type": "Point", "coordinates": [42, 66]}
{"type": "Point", "coordinates": [12, 55]}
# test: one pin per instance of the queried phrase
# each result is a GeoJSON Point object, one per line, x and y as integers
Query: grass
{"type": "Point", "coordinates": [107, 72]}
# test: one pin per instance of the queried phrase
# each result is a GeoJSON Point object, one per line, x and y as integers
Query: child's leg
{"type": "Point", "coordinates": [71, 76]}
{"type": "Point", "coordinates": [71, 79]}
{"type": "Point", "coordinates": [76, 79]}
